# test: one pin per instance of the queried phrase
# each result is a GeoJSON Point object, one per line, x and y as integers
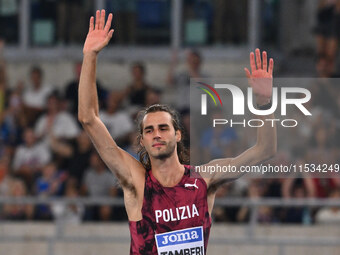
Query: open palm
{"type": "Point", "coordinates": [99, 33]}
{"type": "Point", "coordinates": [261, 76]}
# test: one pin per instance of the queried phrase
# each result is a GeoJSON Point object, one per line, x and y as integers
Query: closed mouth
{"type": "Point", "coordinates": [157, 144]}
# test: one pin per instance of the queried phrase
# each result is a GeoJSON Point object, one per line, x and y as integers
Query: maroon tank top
{"type": "Point", "coordinates": [175, 219]}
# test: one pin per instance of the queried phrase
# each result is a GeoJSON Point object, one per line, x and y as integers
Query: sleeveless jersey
{"type": "Point", "coordinates": [175, 219]}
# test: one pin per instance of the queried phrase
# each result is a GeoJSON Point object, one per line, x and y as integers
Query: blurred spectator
{"type": "Point", "coordinates": [118, 123]}
{"type": "Point", "coordinates": [265, 214]}
{"type": "Point", "coordinates": [325, 95]}
{"type": "Point", "coordinates": [329, 215]}
{"type": "Point", "coordinates": [321, 153]}
{"type": "Point", "coordinates": [69, 213]}
{"type": "Point", "coordinates": [301, 188]}
{"type": "Point", "coordinates": [221, 213]}
{"type": "Point", "coordinates": [181, 80]}
{"type": "Point", "coordinates": [58, 129]}
{"type": "Point", "coordinates": [5, 179]}
{"type": "Point", "coordinates": [4, 91]}
{"type": "Point", "coordinates": [153, 96]}
{"type": "Point", "coordinates": [327, 35]}
{"type": "Point", "coordinates": [13, 121]}
{"type": "Point", "coordinates": [48, 185]}
{"type": "Point", "coordinates": [35, 96]}
{"type": "Point", "coordinates": [30, 157]}
{"type": "Point", "coordinates": [99, 182]}
{"type": "Point", "coordinates": [136, 91]}
{"type": "Point", "coordinates": [59, 123]}
{"type": "Point", "coordinates": [71, 91]}
{"type": "Point", "coordinates": [51, 181]}
{"type": "Point", "coordinates": [81, 157]}
{"type": "Point", "coordinates": [18, 211]}
{"type": "Point", "coordinates": [218, 142]}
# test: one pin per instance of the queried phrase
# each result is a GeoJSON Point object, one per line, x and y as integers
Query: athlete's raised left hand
{"type": "Point", "coordinates": [261, 77]}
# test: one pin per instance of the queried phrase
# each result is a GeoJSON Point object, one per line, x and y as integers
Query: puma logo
{"type": "Point", "coordinates": [186, 185]}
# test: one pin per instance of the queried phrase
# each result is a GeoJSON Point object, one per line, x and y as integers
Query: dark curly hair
{"type": "Point", "coordinates": [182, 152]}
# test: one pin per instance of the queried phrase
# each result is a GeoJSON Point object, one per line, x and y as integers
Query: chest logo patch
{"type": "Point", "coordinates": [188, 241]}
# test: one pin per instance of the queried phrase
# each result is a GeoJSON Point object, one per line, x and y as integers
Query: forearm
{"type": "Point", "coordinates": [264, 149]}
{"type": "Point", "coordinates": [88, 99]}
{"type": "Point", "coordinates": [266, 142]}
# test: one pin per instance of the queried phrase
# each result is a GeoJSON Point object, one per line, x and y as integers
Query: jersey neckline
{"type": "Point", "coordinates": [180, 183]}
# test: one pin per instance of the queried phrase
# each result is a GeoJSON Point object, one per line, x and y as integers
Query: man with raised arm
{"type": "Point", "coordinates": [168, 210]}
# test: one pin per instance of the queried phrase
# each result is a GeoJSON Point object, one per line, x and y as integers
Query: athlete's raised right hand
{"type": "Point", "coordinates": [99, 33]}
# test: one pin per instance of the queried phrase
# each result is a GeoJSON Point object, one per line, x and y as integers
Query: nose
{"type": "Point", "coordinates": [156, 134]}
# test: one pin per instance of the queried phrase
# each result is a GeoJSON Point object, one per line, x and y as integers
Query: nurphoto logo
{"type": "Point", "coordinates": [288, 96]}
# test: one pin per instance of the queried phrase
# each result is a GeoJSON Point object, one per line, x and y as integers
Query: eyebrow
{"type": "Point", "coordinates": [160, 126]}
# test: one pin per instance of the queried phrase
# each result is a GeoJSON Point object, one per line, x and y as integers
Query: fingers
{"type": "Point", "coordinates": [264, 60]}
{"type": "Point", "coordinates": [247, 73]}
{"type": "Point", "coordinates": [252, 62]}
{"type": "Point", "coordinates": [258, 59]}
{"type": "Point", "coordinates": [258, 64]}
{"type": "Point", "coordinates": [102, 20]}
{"type": "Point", "coordinates": [109, 36]}
{"type": "Point", "coordinates": [97, 19]}
{"type": "Point", "coordinates": [271, 66]}
{"type": "Point", "coordinates": [108, 23]}
{"type": "Point", "coordinates": [91, 26]}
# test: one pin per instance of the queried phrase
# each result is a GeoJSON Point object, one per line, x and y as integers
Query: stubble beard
{"type": "Point", "coordinates": [170, 148]}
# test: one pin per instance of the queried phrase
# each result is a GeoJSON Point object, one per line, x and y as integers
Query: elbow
{"type": "Point", "coordinates": [266, 153]}
{"type": "Point", "coordinates": [85, 121]}
{"type": "Point", "coordinates": [86, 118]}
{"type": "Point", "coordinates": [269, 153]}
{"type": "Point", "coordinates": [82, 119]}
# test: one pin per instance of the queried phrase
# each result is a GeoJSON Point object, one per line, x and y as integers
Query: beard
{"type": "Point", "coordinates": [170, 148]}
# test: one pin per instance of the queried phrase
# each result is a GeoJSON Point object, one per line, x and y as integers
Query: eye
{"type": "Point", "coordinates": [148, 131]}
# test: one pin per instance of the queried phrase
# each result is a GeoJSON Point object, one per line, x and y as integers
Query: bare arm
{"type": "Point", "coordinates": [261, 81]}
{"type": "Point", "coordinates": [119, 161]}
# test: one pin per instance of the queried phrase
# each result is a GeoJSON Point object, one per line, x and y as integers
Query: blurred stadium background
{"type": "Point", "coordinates": [56, 195]}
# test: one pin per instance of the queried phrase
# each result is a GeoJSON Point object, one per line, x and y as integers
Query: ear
{"type": "Point", "coordinates": [178, 136]}
{"type": "Point", "coordinates": [141, 142]}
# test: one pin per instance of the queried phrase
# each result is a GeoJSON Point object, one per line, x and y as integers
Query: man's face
{"type": "Point", "coordinates": [193, 60]}
{"type": "Point", "coordinates": [53, 104]}
{"type": "Point", "coordinates": [137, 73]}
{"type": "Point", "coordinates": [159, 136]}
{"type": "Point", "coordinates": [29, 137]}
{"type": "Point", "coordinates": [36, 78]}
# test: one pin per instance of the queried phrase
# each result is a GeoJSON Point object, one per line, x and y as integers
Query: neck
{"type": "Point", "coordinates": [194, 72]}
{"type": "Point", "coordinates": [169, 171]}
{"type": "Point", "coordinates": [138, 83]}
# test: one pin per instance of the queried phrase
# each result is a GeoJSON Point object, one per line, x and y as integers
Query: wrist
{"type": "Point", "coordinates": [265, 106]}
{"type": "Point", "coordinates": [260, 101]}
{"type": "Point", "coordinates": [90, 53]}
